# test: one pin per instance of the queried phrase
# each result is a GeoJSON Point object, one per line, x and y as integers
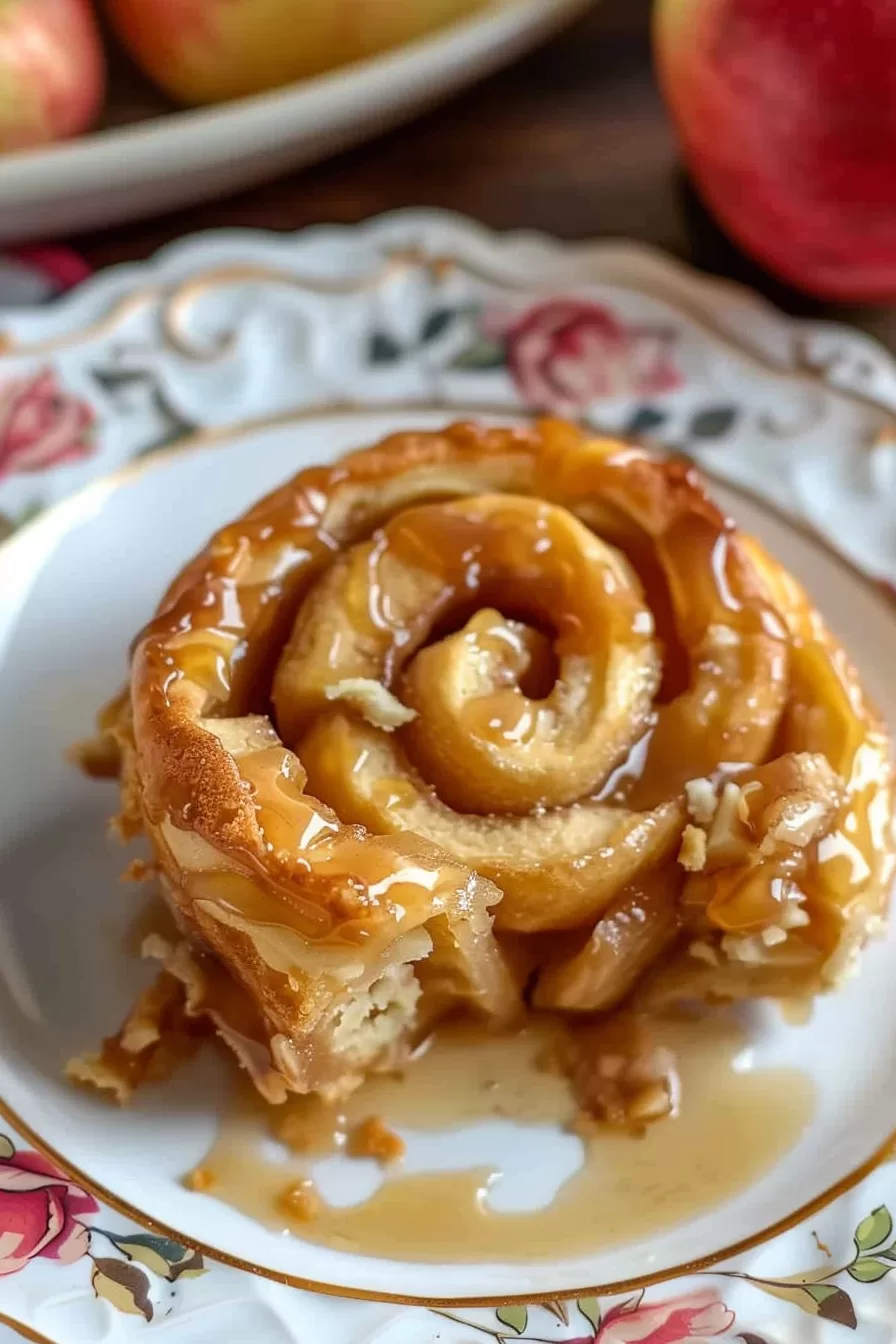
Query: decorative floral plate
{"type": "Point", "coordinates": [265, 352]}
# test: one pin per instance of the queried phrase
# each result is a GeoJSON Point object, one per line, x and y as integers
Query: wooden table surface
{"type": "Point", "coordinates": [573, 140]}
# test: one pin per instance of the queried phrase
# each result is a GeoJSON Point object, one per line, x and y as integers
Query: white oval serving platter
{"type": "Point", "coordinates": [182, 157]}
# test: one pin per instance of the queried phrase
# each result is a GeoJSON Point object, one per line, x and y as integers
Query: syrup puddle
{"type": "Point", "coordinates": [517, 1196]}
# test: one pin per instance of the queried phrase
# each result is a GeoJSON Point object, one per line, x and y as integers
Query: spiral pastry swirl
{"type": "Point", "coordinates": [488, 716]}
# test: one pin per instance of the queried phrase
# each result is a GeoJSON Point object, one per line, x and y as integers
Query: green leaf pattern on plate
{"type": "Point", "coordinates": [874, 1230]}
{"type": "Point", "coordinates": [702, 1314]}
{"type": "Point", "coordinates": [514, 1317]}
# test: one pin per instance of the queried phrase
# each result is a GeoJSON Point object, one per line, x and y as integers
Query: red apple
{"type": "Point", "coordinates": [786, 110]}
{"type": "Point", "coordinates": [203, 51]}
{"type": "Point", "coordinates": [51, 71]}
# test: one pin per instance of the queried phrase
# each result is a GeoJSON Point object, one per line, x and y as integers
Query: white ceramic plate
{"type": "Point", "coordinates": [183, 157]}
{"type": "Point", "coordinates": [419, 308]}
{"type": "Point", "coordinates": [66, 918]}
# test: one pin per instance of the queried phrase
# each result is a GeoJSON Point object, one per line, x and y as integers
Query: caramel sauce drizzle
{"type": "Point", "coordinates": [733, 1126]}
{"type": "Point", "coordinates": [578, 633]}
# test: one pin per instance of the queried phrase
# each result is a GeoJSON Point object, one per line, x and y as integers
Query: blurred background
{"type": "Point", "coordinates": [573, 138]}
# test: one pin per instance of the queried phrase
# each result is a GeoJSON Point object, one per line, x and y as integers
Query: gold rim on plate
{"type": "Point", "coordinates": [23, 1330]}
{"type": "Point", "coordinates": [104, 486]}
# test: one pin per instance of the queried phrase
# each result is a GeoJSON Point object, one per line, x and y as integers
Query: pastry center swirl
{"type": "Point", "coordinates": [473, 734]}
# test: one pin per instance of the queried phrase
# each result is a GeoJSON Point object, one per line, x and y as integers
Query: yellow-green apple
{"type": "Point", "coordinates": [786, 110]}
{"type": "Point", "coordinates": [203, 51]}
{"type": "Point", "coordinates": [51, 71]}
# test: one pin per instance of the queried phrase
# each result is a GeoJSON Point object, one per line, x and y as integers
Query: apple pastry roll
{"type": "Point", "coordinates": [491, 716]}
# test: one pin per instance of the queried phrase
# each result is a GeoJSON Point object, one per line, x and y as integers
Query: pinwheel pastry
{"type": "Point", "coordinates": [488, 719]}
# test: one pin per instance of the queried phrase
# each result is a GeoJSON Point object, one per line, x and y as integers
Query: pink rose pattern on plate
{"type": "Point", "coordinates": [41, 425]}
{"type": "Point", "coordinates": [39, 1213]}
{"type": "Point", "coordinates": [687, 1319]}
{"type": "Point", "coordinates": [679, 1320]}
{"type": "Point", "coordinates": [564, 355]}
{"type": "Point", "coordinates": [568, 353]}
{"type": "Point", "coordinates": [42, 1213]}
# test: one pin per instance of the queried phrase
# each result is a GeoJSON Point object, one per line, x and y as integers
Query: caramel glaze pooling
{"type": "Point", "coordinates": [732, 1126]}
{"type": "Point", "coordinates": [496, 657]}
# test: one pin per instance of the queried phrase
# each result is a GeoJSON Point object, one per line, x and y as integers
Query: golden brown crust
{"type": "Point", "coordinates": [550, 641]}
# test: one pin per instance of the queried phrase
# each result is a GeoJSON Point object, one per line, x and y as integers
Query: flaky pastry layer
{"type": "Point", "coordinates": [491, 715]}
